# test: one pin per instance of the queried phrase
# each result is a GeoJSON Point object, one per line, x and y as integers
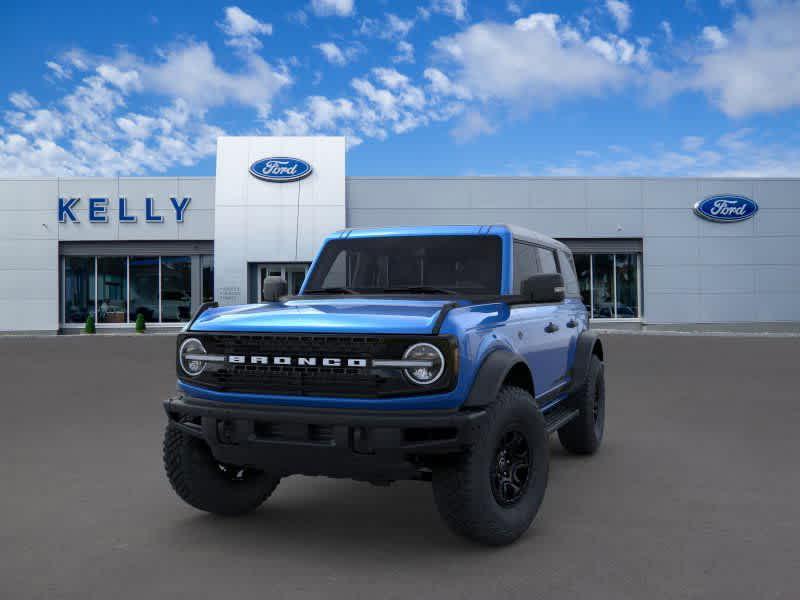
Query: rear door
{"type": "Point", "coordinates": [578, 318]}
{"type": "Point", "coordinates": [560, 325]}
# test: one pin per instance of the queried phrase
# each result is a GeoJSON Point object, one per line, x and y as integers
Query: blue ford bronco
{"type": "Point", "coordinates": [443, 354]}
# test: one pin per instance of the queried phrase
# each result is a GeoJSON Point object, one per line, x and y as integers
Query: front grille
{"type": "Point", "coordinates": [294, 380]}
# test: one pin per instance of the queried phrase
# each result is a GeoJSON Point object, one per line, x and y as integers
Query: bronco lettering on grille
{"type": "Point", "coordinates": [299, 361]}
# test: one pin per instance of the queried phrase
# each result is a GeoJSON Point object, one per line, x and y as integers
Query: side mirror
{"type": "Point", "coordinates": [544, 287]}
{"type": "Point", "coordinates": [273, 288]}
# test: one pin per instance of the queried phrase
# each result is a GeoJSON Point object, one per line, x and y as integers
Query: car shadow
{"type": "Point", "coordinates": [345, 518]}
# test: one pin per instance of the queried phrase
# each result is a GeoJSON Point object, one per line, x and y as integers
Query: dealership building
{"type": "Point", "coordinates": [650, 252]}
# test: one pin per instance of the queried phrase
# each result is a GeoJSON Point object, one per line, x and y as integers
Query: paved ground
{"type": "Point", "coordinates": [695, 494]}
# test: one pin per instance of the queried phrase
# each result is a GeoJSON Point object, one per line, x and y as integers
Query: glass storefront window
{"type": "Point", "coordinates": [144, 288]}
{"type": "Point", "coordinates": [207, 270]}
{"type": "Point", "coordinates": [112, 284]}
{"type": "Point", "coordinates": [176, 288]}
{"type": "Point", "coordinates": [78, 288]}
{"type": "Point", "coordinates": [627, 278]}
{"type": "Point", "coordinates": [609, 284]}
{"type": "Point", "coordinates": [602, 286]}
{"type": "Point", "coordinates": [583, 269]}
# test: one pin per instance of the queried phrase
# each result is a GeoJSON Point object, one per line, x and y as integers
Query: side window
{"type": "Point", "coordinates": [547, 259]}
{"type": "Point", "coordinates": [568, 271]}
{"type": "Point", "coordinates": [525, 264]}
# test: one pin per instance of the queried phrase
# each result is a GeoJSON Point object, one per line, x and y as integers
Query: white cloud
{"type": "Point", "coordinates": [692, 143]}
{"type": "Point", "coordinates": [405, 53]}
{"type": "Point", "coordinates": [336, 55]}
{"type": "Point", "coordinates": [453, 8]}
{"type": "Point", "coordinates": [666, 27]}
{"type": "Point", "coordinates": [191, 72]}
{"type": "Point", "coordinates": [243, 29]}
{"type": "Point", "coordinates": [758, 70]}
{"type": "Point", "coordinates": [127, 80]}
{"type": "Point", "coordinates": [715, 37]}
{"type": "Point", "coordinates": [385, 101]}
{"type": "Point", "coordinates": [57, 70]}
{"type": "Point", "coordinates": [339, 8]}
{"type": "Point", "coordinates": [91, 130]}
{"type": "Point", "coordinates": [471, 125]}
{"type": "Point", "coordinates": [22, 100]}
{"type": "Point", "coordinates": [440, 84]}
{"type": "Point", "coordinates": [735, 154]}
{"type": "Point", "coordinates": [397, 26]}
{"type": "Point", "coordinates": [391, 27]}
{"type": "Point", "coordinates": [621, 11]}
{"type": "Point", "coordinates": [537, 60]}
{"type": "Point", "coordinates": [514, 8]}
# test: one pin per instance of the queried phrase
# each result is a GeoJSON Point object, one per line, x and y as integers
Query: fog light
{"type": "Point", "coordinates": [433, 367]}
{"type": "Point", "coordinates": [191, 356]}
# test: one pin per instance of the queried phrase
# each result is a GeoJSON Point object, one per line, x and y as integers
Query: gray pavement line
{"type": "Point", "coordinates": [68, 336]}
{"type": "Point", "coordinates": [756, 334]}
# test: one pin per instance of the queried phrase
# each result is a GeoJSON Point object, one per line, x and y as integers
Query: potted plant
{"type": "Point", "coordinates": [140, 325]}
{"type": "Point", "coordinates": [89, 327]}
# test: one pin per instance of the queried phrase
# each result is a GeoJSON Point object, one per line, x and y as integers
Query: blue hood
{"type": "Point", "coordinates": [330, 315]}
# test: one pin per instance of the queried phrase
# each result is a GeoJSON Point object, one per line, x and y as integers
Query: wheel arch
{"type": "Point", "coordinates": [501, 367]}
{"type": "Point", "coordinates": [589, 345]}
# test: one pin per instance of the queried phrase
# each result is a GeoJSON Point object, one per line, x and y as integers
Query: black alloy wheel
{"type": "Point", "coordinates": [511, 469]}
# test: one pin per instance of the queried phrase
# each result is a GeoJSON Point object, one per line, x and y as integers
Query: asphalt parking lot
{"type": "Point", "coordinates": [695, 494]}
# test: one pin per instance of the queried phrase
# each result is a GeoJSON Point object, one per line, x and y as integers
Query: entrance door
{"type": "Point", "coordinates": [293, 273]}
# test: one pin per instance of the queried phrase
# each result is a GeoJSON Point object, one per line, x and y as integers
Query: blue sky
{"type": "Point", "coordinates": [438, 87]}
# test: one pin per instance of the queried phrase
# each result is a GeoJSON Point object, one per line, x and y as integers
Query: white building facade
{"type": "Point", "coordinates": [115, 248]}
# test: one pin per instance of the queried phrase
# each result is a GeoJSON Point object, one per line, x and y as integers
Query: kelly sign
{"type": "Point", "coordinates": [98, 210]}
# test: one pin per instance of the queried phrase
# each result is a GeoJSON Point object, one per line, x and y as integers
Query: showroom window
{"type": "Point", "coordinates": [610, 284]}
{"type": "Point", "coordinates": [79, 288]}
{"type": "Point", "coordinates": [117, 289]}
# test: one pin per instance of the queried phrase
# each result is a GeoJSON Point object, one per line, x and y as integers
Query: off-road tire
{"type": "Point", "coordinates": [463, 485]}
{"type": "Point", "coordinates": [584, 433]}
{"type": "Point", "coordinates": [205, 484]}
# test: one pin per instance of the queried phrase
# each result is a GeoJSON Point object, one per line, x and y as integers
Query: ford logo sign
{"type": "Point", "coordinates": [280, 169]}
{"type": "Point", "coordinates": [726, 209]}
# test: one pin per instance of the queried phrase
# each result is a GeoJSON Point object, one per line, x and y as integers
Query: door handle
{"type": "Point", "coordinates": [572, 323]}
{"type": "Point", "coordinates": [551, 327]}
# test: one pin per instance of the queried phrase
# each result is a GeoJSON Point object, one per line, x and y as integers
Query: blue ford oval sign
{"type": "Point", "coordinates": [280, 169]}
{"type": "Point", "coordinates": [726, 209]}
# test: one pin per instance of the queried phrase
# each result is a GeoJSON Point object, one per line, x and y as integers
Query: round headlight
{"type": "Point", "coordinates": [190, 356]}
{"type": "Point", "coordinates": [425, 353]}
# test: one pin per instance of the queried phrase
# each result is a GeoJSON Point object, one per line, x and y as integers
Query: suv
{"type": "Point", "coordinates": [442, 354]}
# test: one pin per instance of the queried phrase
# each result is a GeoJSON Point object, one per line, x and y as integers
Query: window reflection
{"type": "Point", "coordinates": [144, 288]}
{"type": "Point", "coordinates": [78, 288]}
{"type": "Point", "coordinates": [207, 268]}
{"type": "Point", "coordinates": [602, 286]}
{"type": "Point", "coordinates": [584, 277]}
{"type": "Point", "coordinates": [609, 284]}
{"type": "Point", "coordinates": [627, 286]}
{"type": "Point", "coordinates": [111, 289]}
{"type": "Point", "coordinates": [176, 288]}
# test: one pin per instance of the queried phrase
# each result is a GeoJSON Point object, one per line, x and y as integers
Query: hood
{"type": "Point", "coordinates": [337, 315]}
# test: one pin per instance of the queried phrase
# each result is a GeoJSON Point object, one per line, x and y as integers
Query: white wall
{"type": "Point", "coordinates": [30, 233]}
{"type": "Point", "coordinates": [28, 255]}
{"type": "Point", "coordinates": [695, 271]}
{"type": "Point", "coordinates": [262, 221]}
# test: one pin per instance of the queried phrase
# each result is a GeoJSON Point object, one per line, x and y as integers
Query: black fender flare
{"type": "Point", "coordinates": [490, 377]}
{"type": "Point", "coordinates": [588, 345]}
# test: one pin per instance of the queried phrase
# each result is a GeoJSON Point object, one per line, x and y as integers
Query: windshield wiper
{"type": "Point", "coordinates": [421, 289]}
{"type": "Point", "coordinates": [331, 290]}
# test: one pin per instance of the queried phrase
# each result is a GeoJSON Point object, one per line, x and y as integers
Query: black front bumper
{"type": "Point", "coordinates": [369, 445]}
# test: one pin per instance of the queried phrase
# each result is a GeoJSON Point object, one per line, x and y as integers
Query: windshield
{"type": "Point", "coordinates": [409, 264]}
